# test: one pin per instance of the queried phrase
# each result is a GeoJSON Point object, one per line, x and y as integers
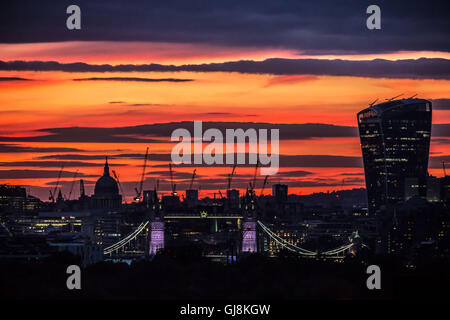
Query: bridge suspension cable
{"type": "Point", "coordinates": [121, 243]}
{"type": "Point", "coordinates": [125, 240]}
{"type": "Point", "coordinates": [299, 250]}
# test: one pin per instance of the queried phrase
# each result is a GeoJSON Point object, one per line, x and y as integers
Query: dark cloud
{"type": "Point", "coordinates": [423, 68]}
{"type": "Point", "coordinates": [441, 130]}
{"type": "Point", "coordinates": [73, 157]}
{"type": "Point", "coordinates": [13, 79]}
{"type": "Point", "coordinates": [68, 183]}
{"type": "Point", "coordinates": [292, 161]}
{"type": "Point", "coordinates": [313, 26]}
{"type": "Point", "coordinates": [153, 156]}
{"type": "Point", "coordinates": [292, 174]}
{"type": "Point", "coordinates": [153, 133]}
{"type": "Point", "coordinates": [353, 174]}
{"type": "Point", "coordinates": [435, 162]}
{"type": "Point", "coordinates": [147, 105]}
{"type": "Point", "coordinates": [37, 174]}
{"type": "Point", "coordinates": [315, 161]}
{"type": "Point", "coordinates": [134, 79]}
{"type": "Point", "coordinates": [145, 133]}
{"type": "Point", "coordinates": [54, 164]}
{"type": "Point", "coordinates": [441, 104]}
{"type": "Point", "coordinates": [176, 174]}
{"type": "Point", "coordinates": [13, 148]}
{"type": "Point", "coordinates": [320, 161]}
{"type": "Point", "coordinates": [82, 134]}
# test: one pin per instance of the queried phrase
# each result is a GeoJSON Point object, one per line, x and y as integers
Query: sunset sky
{"type": "Point", "coordinates": [279, 64]}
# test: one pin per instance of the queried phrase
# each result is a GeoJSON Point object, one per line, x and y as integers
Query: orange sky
{"type": "Point", "coordinates": [53, 99]}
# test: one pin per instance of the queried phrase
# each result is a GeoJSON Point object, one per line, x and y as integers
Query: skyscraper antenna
{"type": "Point", "coordinates": [371, 104]}
{"type": "Point", "coordinates": [395, 97]}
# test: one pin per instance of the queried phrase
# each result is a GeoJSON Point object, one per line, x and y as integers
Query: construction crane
{"type": "Point", "coordinates": [157, 186]}
{"type": "Point", "coordinates": [443, 168]}
{"type": "Point", "coordinates": [141, 182]}
{"type": "Point", "coordinates": [253, 183]}
{"type": "Point", "coordinates": [412, 96]}
{"type": "Point", "coordinates": [230, 176]}
{"type": "Point", "coordinates": [173, 186]}
{"type": "Point", "coordinates": [72, 185]}
{"type": "Point", "coordinates": [264, 186]}
{"type": "Point", "coordinates": [220, 194]}
{"type": "Point", "coordinates": [192, 179]}
{"type": "Point", "coordinates": [52, 194]}
{"type": "Point", "coordinates": [116, 176]}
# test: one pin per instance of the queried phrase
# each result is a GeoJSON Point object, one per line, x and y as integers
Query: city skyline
{"type": "Point", "coordinates": [224, 151]}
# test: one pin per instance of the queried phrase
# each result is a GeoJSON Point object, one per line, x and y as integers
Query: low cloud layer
{"type": "Point", "coordinates": [152, 133]}
{"type": "Point", "coordinates": [423, 68]}
{"type": "Point", "coordinates": [37, 174]}
{"type": "Point", "coordinates": [14, 148]}
{"type": "Point", "coordinates": [6, 79]}
{"type": "Point", "coordinates": [134, 79]}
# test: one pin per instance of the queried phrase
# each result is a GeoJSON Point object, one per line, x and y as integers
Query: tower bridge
{"type": "Point", "coordinates": [156, 225]}
{"type": "Point", "coordinates": [162, 210]}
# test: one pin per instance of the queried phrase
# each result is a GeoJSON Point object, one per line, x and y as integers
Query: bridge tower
{"type": "Point", "coordinates": [156, 236]}
{"type": "Point", "coordinates": [157, 224]}
{"type": "Point", "coordinates": [249, 234]}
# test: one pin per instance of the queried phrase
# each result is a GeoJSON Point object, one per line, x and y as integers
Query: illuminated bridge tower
{"type": "Point", "coordinates": [395, 143]}
{"type": "Point", "coordinates": [157, 225]}
{"type": "Point", "coordinates": [249, 234]}
{"type": "Point", "coordinates": [156, 236]}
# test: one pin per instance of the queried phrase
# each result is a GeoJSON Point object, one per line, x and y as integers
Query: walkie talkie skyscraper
{"type": "Point", "coordinates": [395, 143]}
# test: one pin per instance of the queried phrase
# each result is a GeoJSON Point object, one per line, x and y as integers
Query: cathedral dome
{"type": "Point", "coordinates": [106, 185]}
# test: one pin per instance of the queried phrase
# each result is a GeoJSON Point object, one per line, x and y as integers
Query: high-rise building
{"type": "Point", "coordinates": [12, 198]}
{"type": "Point", "coordinates": [280, 192]}
{"type": "Point", "coordinates": [233, 199]}
{"type": "Point", "coordinates": [191, 198]}
{"type": "Point", "coordinates": [395, 143]}
{"type": "Point", "coordinates": [433, 189]}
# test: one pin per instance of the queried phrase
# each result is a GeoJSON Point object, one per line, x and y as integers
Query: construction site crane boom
{"type": "Point", "coordinates": [116, 176]}
{"type": "Point", "coordinates": [230, 176]}
{"type": "Point", "coordinates": [141, 182]}
{"type": "Point", "coordinates": [52, 194]}
{"type": "Point", "coordinates": [264, 185]}
{"type": "Point", "coordinates": [73, 184]}
{"type": "Point", "coordinates": [173, 186]}
{"type": "Point", "coordinates": [192, 179]}
{"type": "Point", "coordinates": [253, 183]}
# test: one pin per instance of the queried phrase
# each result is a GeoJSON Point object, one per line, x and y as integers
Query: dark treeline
{"type": "Point", "coordinates": [184, 274]}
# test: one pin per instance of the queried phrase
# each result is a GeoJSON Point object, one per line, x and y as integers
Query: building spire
{"type": "Point", "coordinates": [106, 170]}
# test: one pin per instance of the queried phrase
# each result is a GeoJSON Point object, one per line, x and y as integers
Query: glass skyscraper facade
{"type": "Point", "coordinates": [395, 143]}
